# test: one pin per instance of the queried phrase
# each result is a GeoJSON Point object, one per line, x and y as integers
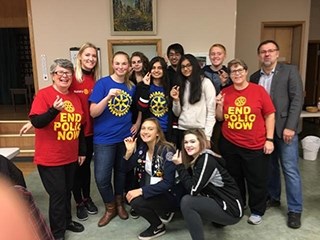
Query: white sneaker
{"type": "Point", "coordinates": [254, 219]}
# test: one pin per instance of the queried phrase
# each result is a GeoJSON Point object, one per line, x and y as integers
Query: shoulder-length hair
{"type": "Point", "coordinates": [188, 160]}
{"type": "Point", "coordinates": [195, 79]}
{"type": "Point", "coordinates": [145, 65]}
{"type": "Point", "coordinates": [78, 69]}
{"type": "Point", "coordinates": [127, 81]}
{"type": "Point", "coordinates": [165, 77]}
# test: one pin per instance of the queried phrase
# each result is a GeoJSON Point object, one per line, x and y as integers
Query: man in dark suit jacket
{"type": "Point", "coordinates": [283, 83]}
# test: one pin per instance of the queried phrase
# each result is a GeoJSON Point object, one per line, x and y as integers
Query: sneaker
{"type": "Point", "coordinates": [152, 232]}
{"type": "Point", "coordinates": [273, 203]}
{"type": "Point", "coordinates": [167, 217]}
{"type": "Point", "coordinates": [133, 214]}
{"type": "Point", "coordinates": [294, 220]}
{"type": "Point", "coordinates": [82, 214]}
{"type": "Point", "coordinates": [90, 206]}
{"type": "Point", "coordinates": [255, 219]}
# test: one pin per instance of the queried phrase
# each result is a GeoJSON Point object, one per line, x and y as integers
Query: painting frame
{"type": "Point", "coordinates": [119, 18]}
{"type": "Point", "coordinates": [114, 45]}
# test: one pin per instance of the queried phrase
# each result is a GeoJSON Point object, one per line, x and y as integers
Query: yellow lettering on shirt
{"type": "Point", "coordinates": [239, 117]}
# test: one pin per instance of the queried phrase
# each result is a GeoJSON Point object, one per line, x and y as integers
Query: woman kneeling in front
{"type": "Point", "coordinates": [155, 173]}
{"type": "Point", "coordinates": [213, 194]}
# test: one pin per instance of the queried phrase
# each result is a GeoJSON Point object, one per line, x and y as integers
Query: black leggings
{"type": "Point", "coordinates": [151, 208]}
{"type": "Point", "coordinates": [194, 208]}
{"type": "Point", "coordinates": [81, 187]}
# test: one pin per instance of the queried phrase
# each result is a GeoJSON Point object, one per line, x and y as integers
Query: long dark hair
{"type": "Point", "coordinates": [195, 79]}
{"type": "Point", "coordinates": [165, 77]}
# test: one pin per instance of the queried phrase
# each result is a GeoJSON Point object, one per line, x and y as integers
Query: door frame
{"type": "Point", "coordinates": [299, 40]}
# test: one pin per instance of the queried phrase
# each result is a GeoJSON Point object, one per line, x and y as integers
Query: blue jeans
{"type": "Point", "coordinates": [288, 155]}
{"type": "Point", "coordinates": [108, 157]}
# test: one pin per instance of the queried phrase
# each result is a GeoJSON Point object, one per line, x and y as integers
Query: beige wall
{"type": "Point", "coordinates": [314, 33]}
{"type": "Point", "coordinates": [59, 25]}
{"type": "Point", "coordinates": [250, 14]}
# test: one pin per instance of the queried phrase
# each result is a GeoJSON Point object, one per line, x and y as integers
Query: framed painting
{"type": "Point", "coordinates": [133, 17]}
{"type": "Point", "coordinates": [150, 47]}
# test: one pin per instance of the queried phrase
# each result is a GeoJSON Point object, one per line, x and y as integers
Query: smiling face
{"type": "Point", "coordinates": [192, 145]}
{"type": "Point", "coordinates": [62, 79]}
{"type": "Point", "coordinates": [174, 57]}
{"type": "Point", "coordinates": [120, 64]}
{"type": "Point", "coordinates": [156, 70]}
{"type": "Point", "coordinates": [186, 68]}
{"type": "Point", "coordinates": [149, 132]}
{"type": "Point", "coordinates": [88, 59]}
{"type": "Point", "coordinates": [217, 55]}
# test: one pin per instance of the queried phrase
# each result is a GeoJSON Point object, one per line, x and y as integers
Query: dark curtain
{"type": "Point", "coordinates": [9, 64]}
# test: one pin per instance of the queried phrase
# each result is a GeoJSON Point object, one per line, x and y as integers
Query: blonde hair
{"type": "Point", "coordinates": [219, 46]}
{"type": "Point", "coordinates": [78, 69]}
{"type": "Point", "coordinates": [188, 160]}
{"type": "Point", "coordinates": [127, 81]}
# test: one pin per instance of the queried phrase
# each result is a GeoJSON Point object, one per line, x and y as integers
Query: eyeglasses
{"type": "Point", "coordinates": [239, 71]}
{"type": "Point", "coordinates": [61, 73]}
{"type": "Point", "coordinates": [268, 51]}
{"type": "Point", "coordinates": [186, 66]}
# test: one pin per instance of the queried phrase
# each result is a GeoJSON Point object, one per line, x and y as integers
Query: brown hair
{"type": "Point", "coordinates": [199, 133]}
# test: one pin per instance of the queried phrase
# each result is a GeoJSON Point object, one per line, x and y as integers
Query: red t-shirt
{"type": "Point", "coordinates": [57, 143]}
{"type": "Point", "coordinates": [244, 111]}
{"type": "Point", "coordinates": [83, 91]}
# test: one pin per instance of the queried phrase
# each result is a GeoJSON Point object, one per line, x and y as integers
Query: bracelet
{"type": "Point", "coordinates": [269, 139]}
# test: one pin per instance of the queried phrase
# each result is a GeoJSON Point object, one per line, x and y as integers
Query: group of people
{"type": "Point", "coordinates": [224, 135]}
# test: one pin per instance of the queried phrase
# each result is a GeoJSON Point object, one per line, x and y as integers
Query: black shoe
{"type": "Point", "coordinates": [90, 206]}
{"type": "Point", "coordinates": [218, 225]}
{"type": "Point", "coordinates": [167, 217]}
{"type": "Point", "coordinates": [75, 227]}
{"type": "Point", "coordinates": [152, 232]}
{"type": "Point", "coordinates": [82, 214]}
{"type": "Point", "coordinates": [273, 203]}
{"type": "Point", "coordinates": [133, 214]}
{"type": "Point", "coordinates": [294, 220]}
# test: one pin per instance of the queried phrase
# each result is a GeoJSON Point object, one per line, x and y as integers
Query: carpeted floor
{"type": "Point", "coordinates": [272, 227]}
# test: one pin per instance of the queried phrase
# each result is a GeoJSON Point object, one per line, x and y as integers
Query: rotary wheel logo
{"type": "Point", "coordinates": [240, 101]}
{"type": "Point", "coordinates": [68, 106]}
{"type": "Point", "coordinates": [86, 91]}
{"type": "Point", "coordinates": [120, 104]}
{"type": "Point", "coordinates": [158, 104]}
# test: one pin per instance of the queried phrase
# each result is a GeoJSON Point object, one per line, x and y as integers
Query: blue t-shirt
{"type": "Point", "coordinates": [114, 123]}
{"type": "Point", "coordinates": [158, 105]}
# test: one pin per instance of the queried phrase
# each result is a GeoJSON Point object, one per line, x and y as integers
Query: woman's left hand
{"type": "Point", "coordinates": [81, 160]}
{"type": "Point", "coordinates": [133, 194]}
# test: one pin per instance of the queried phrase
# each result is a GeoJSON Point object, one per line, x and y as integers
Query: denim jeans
{"type": "Point", "coordinates": [108, 157]}
{"type": "Point", "coordinates": [288, 155]}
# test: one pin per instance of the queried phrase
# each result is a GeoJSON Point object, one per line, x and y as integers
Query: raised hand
{"type": "Point", "coordinates": [176, 159]}
{"type": "Point", "coordinates": [58, 103]}
{"type": "Point", "coordinates": [174, 93]}
{"type": "Point", "coordinates": [130, 144]}
{"type": "Point", "coordinates": [146, 79]}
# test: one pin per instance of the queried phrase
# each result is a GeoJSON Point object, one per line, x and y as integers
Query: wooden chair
{"type": "Point", "coordinates": [19, 91]}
